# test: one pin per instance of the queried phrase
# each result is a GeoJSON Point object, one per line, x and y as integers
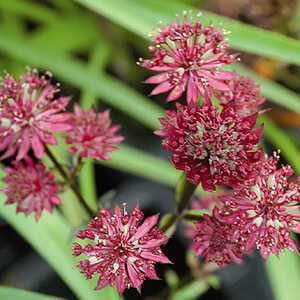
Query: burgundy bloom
{"type": "Point", "coordinates": [212, 148]}
{"type": "Point", "coordinates": [189, 55]}
{"type": "Point", "coordinates": [217, 241]}
{"type": "Point", "coordinates": [209, 202]}
{"type": "Point", "coordinates": [29, 114]}
{"type": "Point", "coordinates": [243, 94]}
{"type": "Point", "coordinates": [270, 207]}
{"type": "Point", "coordinates": [92, 134]}
{"type": "Point", "coordinates": [31, 187]}
{"type": "Point", "coordinates": [120, 250]}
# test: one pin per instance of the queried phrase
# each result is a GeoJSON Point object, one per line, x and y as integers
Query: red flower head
{"type": "Point", "coordinates": [269, 208]}
{"type": "Point", "coordinates": [209, 202]}
{"type": "Point", "coordinates": [31, 187]}
{"type": "Point", "coordinates": [217, 240]}
{"type": "Point", "coordinates": [189, 55]}
{"type": "Point", "coordinates": [29, 114]}
{"type": "Point", "coordinates": [212, 148]}
{"type": "Point", "coordinates": [121, 251]}
{"type": "Point", "coordinates": [243, 94]}
{"type": "Point", "coordinates": [92, 135]}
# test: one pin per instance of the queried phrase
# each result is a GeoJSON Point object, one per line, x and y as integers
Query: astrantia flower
{"type": "Point", "coordinates": [92, 134]}
{"type": "Point", "coordinates": [31, 187]}
{"type": "Point", "coordinates": [208, 202]}
{"type": "Point", "coordinates": [29, 114]}
{"type": "Point", "coordinates": [212, 148]}
{"type": "Point", "coordinates": [121, 251]}
{"type": "Point", "coordinates": [189, 55]}
{"type": "Point", "coordinates": [217, 241]}
{"type": "Point", "coordinates": [270, 208]}
{"type": "Point", "coordinates": [243, 94]}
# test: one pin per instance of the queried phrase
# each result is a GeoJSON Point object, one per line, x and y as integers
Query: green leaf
{"type": "Point", "coordinates": [172, 279]}
{"type": "Point", "coordinates": [191, 291]}
{"type": "Point", "coordinates": [140, 163]}
{"type": "Point", "coordinates": [142, 16]}
{"type": "Point", "coordinates": [51, 238]}
{"type": "Point", "coordinates": [34, 11]}
{"type": "Point", "coordinates": [282, 142]}
{"type": "Point", "coordinates": [8, 293]}
{"type": "Point", "coordinates": [284, 275]}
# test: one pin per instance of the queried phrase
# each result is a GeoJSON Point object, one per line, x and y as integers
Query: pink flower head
{"type": "Point", "coordinates": [217, 241]}
{"type": "Point", "coordinates": [212, 148]}
{"type": "Point", "coordinates": [31, 187]}
{"type": "Point", "coordinates": [269, 208]}
{"type": "Point", "coordinates": [29, 114]}
{"type": "Point", "coordinates": [120, 250]}
{"type": "Point", "coordinates": [189, 55]}
{"type": "Point", "coordinates": [209, 202]}
{"type": "Point", "coordinates": [243, 94]}
{"type": "Point", "coordinates": [92, 134]}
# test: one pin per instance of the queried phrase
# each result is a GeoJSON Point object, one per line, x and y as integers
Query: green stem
{"type": "Point", "coordinates": [70, 180]}
{"type": "Point", "coordinates": [184, 193]}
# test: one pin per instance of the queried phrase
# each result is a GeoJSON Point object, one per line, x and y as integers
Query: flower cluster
{"type": "Point", "coordinates": [243, 94]}
{"type": "Point", "coordinates": [260, 214]}
{"type": "Point", "coordinates": [31, 187]}
{"type": "Point", "coordinates": [190, 56]}
{"type": "Point", "coordinates": [92, 134]}
{"type": "Point", "coordinates": [211, 147]}
{"type": "Point", "coordinates": [270, 208]}
{"type": "Point", "coordinates": [120, 250]}
{"type": "Point", "coordinates": [217, 240]}
{"type": "Point", "coordinates": [217, 144]}
{"type": "Point", "coordinates": [30, 114]}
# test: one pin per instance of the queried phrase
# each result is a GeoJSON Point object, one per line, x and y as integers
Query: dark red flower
{"type": "Point", "coordinates": [92, 134]}
{"type": "Point", "coordinates": [31, 187]}
{"type": "Point", "coordinates": [189, 55]}
{"type": "Point", "coordinates": [217, 241]}
{"type": "Point", "coordinates": [211, 147]}
{"type": "Point", "coordinates": [208, 202]}
{"type": "Point", "coordinates": [29, 114]}
{"type": "Point", "coordinates": [121, 251]}
{"type": "Point", "coordinates": [269, 208]}
{"type": "Point", "coordinates": [243, 94]}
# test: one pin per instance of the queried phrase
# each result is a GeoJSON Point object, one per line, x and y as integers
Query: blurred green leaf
{"type": "Point", "coordinates": [282, 141]}
{"type": "Point", "coordinates": [191, 291]}
{"type": "Point", "coordinates": [284, 275]}
{"type": "Point", "coordinates": [51, 238]}
{"type": "Point", "coordinates": [140, 163]}
{"type": "Point", "coordinates": [213, 281]}
{"type": "Point", "coordinates": [57, 36]}
{"type": "Point", "coordinates": [141, 17]}
{"type": "Point", "coordinates": [31, 10]}
{"type": "Point", "coordinates": [172, 279]}
{"type": "Point", "coordinates": [8, 293]}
